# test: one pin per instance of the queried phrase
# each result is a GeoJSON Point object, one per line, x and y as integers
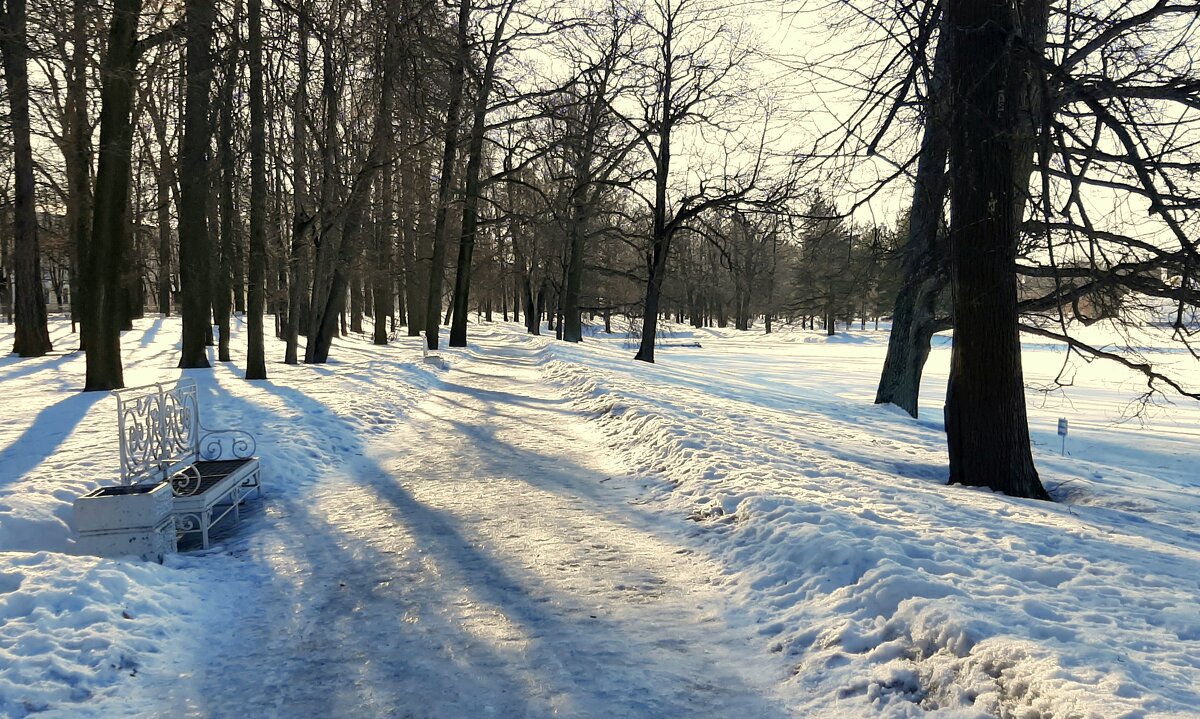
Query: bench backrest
{"type": "Point", "coordinates": [159, 429]}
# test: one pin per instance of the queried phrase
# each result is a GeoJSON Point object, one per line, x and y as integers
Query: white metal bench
{"type": "Point", "coordinates": [162, 439]}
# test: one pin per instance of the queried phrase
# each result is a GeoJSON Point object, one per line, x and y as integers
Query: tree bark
{"type": "Point", "coordinates": [445, 178]}
{"type": "Point", "coordinates": [32, 337]}
{"type": "Point", "coordinates": [381, 270]}
{"type": "Point", "coordinates": [102, 304]}
{"type": "Point", "coordinates": [223, 278]}
{"type": "Point", "coordinates": [77, 158]}
{"type": "Point", "coordinates": [925, 257]}
{"type": "Point", "coordinates": [329, 300]}
{"type": "Point", "coordinates": [662, 233]}
{"type": "Point", "coordinates": [986, 425]}
{"type": "Point", "coordinates": [301, 221]}
{"type": "Point", "coordinates": [194, 245]}
{"type": "Point", "coordinates": [256, 364]}
{"type": "Point", "coordinates": [415, 237]}
{"type": "Point", "coordinates": [165, 180]}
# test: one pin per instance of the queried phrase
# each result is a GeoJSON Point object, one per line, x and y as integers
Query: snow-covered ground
{"type": "Point", "coordinates": [553, 530]}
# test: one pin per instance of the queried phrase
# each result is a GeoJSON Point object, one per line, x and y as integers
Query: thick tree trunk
{"type": "Point", "coordinates": [356, 299]}
{"type": "Point", "coordinates": [572, 324]}
{"type": "Point", "coordinates": [324, 299]}
{"type": "Point", "coordinates": [986, 425]}
{"type": "Point", "coordinates": [256, 364]}
{"type": "Point", "coordinates": [101, 305]}
{"type": "Point", "coordinates": [473, 186]}
{"type": "Point", "coordinates": [32, 338]}
{"type": "Point", "coordinates": [914, 323]}
{"type": "Point", "coordinates": [194, 245]}
{"type": "Point", "coordinates": [446, 177]}
{"type": "Point", "coordinates": [925, 257]}
{"type": "Point", "coordinates": [533, 318]}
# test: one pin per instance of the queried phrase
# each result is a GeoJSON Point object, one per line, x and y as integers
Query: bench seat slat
{"type": "Point", "coordinates": [221, 467]}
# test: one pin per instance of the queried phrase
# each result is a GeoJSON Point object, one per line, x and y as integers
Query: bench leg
{"type": "Point", "coordinates": [205, 517]}
{"type": "Point", "coordinates": [258, 484]}
{"type": "Point", "coordinates": [237, 504]}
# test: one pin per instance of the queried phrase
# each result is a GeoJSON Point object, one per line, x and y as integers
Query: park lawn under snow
{"type": "Point", "coordinates": [553, 530]}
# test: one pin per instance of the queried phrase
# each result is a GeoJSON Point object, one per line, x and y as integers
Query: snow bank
{"type": "Point", "coordinates": [887, 592]}
{"type": "Point", "coordinates": [71, 627]}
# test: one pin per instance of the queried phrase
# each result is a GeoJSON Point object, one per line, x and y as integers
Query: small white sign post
{"type": "Point", "coordinates": [1062, 432]}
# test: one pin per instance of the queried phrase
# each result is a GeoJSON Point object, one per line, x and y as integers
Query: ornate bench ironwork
{"type": "Point", "coordinates": [162, 439]}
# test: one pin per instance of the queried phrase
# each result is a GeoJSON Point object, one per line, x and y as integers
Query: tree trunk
{"type": "Point", "coordinates": [415, 237]}
{"type": "Point", "coordinates": [101, 305]}
{"type": "Point", "coordinates": [470, 214]}
{"type": "Point", "coordinates": [32, 338]}
{"type": "Point", "coordinates": [356, 299]}
{"type": "Point", "coordinates": [986, 425]}
{"type": "Point", "coordinates": [300, 219]}
{"type": "Point", "coordinates": [223, 279]}
{"type": "Point", "coordinates": [381, 270]}
{"type": "Point", "coordinates": [194, 245]}
{"type": "Point", "coordinates": [925, 258]}
{"type": "Point", "coordinates": [470, 222]}
{"type": "Point", "coordinates": [77, 158]}
{"type": "Point", "coordinates": [165, 179]}
{"type": "Point", "coordinates": [256, 363]}
{"type": "Point", "coordinates": [342, 254]}
{"type": "Point", "coordinates": [661, 237]}
{"type": "Point", "coordinates": [445, 176]}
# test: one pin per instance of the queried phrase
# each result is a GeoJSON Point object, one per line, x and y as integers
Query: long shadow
{"type": "Point", "coordinates": [630, 690]}
{"type": "Point", "coordinates": [23, 367]}
{"type": "Point", "coordinates": [43, 437]}
{"type": "Point", "coordinates": [151, 332]}
{"type": "Point", "coordinates": [463, 672]}
{"type": "Point", "coordinates": [414, 668]}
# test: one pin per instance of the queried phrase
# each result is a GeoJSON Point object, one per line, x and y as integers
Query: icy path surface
{"type": "Point", "coordinates": [473, 563]}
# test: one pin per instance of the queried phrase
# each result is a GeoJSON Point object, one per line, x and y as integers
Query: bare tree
{"type": "Point", "coordinates": [256, 366]}
{"type": "Point", "coordinates": [986, 426]}
{"type": "Point", "coordinates": [32, 337]}
{"type": "Point", "coordinates": [693, 67]}
{"type": "Point", "coordinates": [194, 245]}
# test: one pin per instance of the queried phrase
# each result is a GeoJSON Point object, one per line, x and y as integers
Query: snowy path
{"type": "Point", "coordinates": [508, 539]}
{"type": "Point", "coordinates": [475, 572]}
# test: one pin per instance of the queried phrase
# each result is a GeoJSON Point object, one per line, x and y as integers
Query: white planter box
{"type": "Point", "coordinates": [110, 509]}
{"type": "Point", "coordinates": [149, 544]}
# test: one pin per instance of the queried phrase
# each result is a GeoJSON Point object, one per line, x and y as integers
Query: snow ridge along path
{"type": "Point", "coordinates": [889, 593]}
{"type": "Point", "coordinates": [441, 544]}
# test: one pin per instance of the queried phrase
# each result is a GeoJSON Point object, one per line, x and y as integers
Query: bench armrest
{"type": "Point", "coordinates": [215, 444]}
{"type": "Point", "coordinates": [185, 482]}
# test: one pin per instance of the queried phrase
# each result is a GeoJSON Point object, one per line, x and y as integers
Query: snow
{"type": "Point", "coordinates": [542, 529]}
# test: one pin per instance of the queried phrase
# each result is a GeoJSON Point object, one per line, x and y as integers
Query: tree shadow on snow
{"type": "Point", "coordinates": [418, 620]}
{"type": "Point", "coordinates": [45, 435]}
